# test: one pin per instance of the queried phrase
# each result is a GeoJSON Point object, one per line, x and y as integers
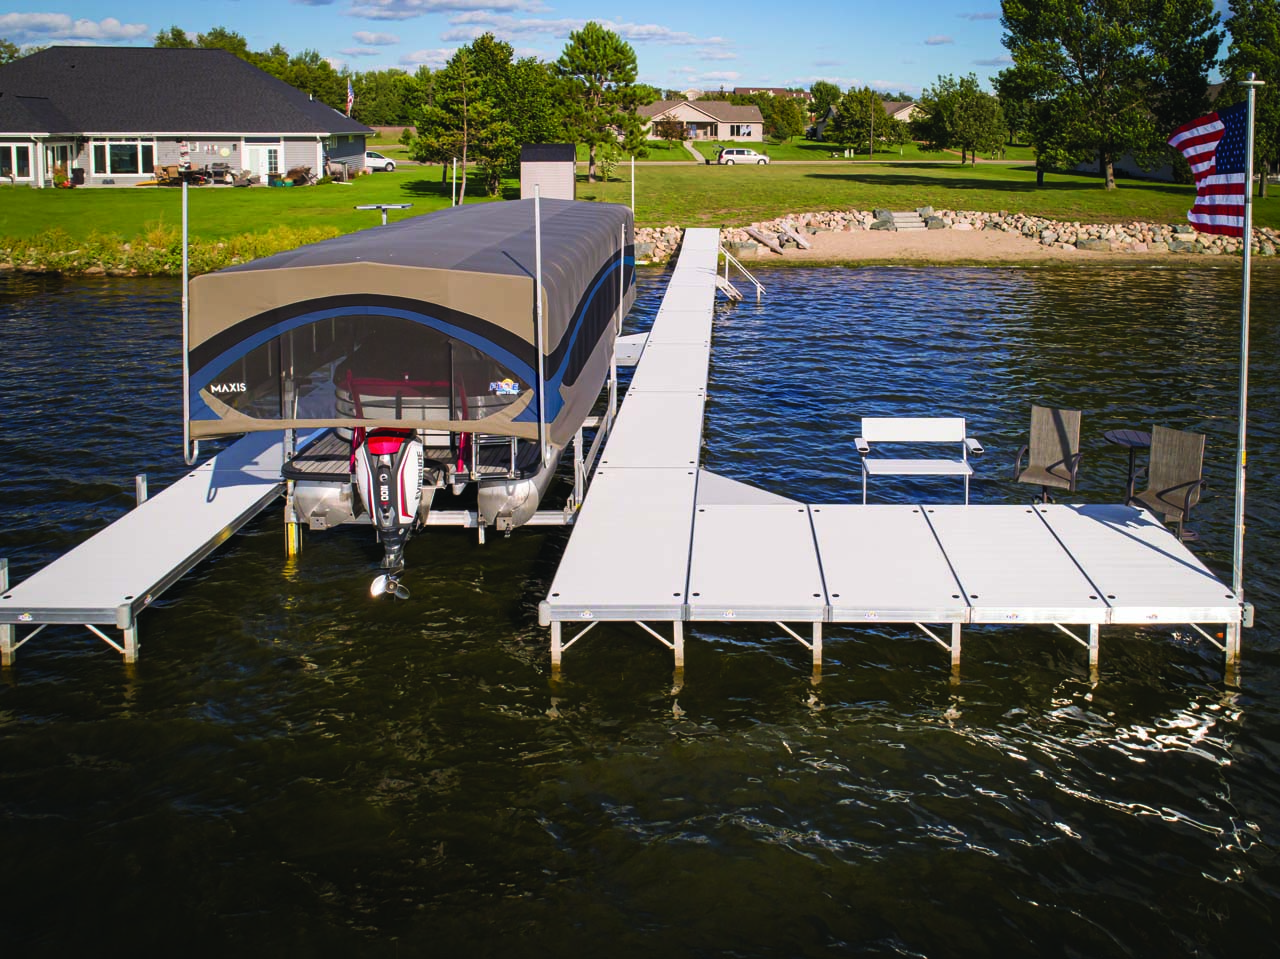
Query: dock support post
{"type": "Point", "coordinates": [131, 643]}
{"type": "Point", "coordinates": [140, 488]}
{"type": "Point", "coordinates": [817, 647]}
{"type": "Point", "coordinates": [677, 642]}
{"type": "Point", "coordinates": [556, 648]}
{"type": "Point", "coordinates": [8, 631]}
{"type": "Point", "coordinates": [292, 533]}
{"type": "Point", "coordinates": [955, 646]}
{"type": "Point", "coordinates": [1094, 630]}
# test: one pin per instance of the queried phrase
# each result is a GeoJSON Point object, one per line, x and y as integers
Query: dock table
{"type": "Point", "coordinates": [1130, 440]}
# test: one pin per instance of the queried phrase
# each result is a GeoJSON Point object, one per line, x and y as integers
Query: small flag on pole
{"type": "Point", "coordinates": [1214, 145]}
{"type": "Point", "coordinates": [351, 97]}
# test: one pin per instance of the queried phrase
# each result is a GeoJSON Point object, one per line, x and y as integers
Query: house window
{"type": "Point", "coordinates": [740, 129]}
{"type": "Point", "coordinates": [15, 161]}
{"type": "Point", "coordinates": [123, 157]}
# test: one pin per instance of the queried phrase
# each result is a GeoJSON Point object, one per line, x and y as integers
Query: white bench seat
{"type": "Point", "coordinates": [878, 466]}
{"type": "Point", "coordinates": [916, 430]}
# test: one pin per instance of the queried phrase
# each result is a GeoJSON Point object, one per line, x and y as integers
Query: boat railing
{"type": "Point", "coordinates": [730, 259]}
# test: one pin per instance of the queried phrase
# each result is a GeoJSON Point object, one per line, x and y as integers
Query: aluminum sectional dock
{"type": "Point", "coordinates": [701, 547]}
{"type": "Point", "coordinates": [122, 569]}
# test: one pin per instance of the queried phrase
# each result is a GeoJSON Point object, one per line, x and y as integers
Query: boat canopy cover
{"type": "Point", "coordinates": [428, 323]}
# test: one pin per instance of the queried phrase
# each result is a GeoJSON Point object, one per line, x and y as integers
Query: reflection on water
{"type": "Point", "coordinates": [292, 769]}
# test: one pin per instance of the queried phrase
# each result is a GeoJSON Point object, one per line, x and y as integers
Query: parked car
{"type": "Point", "coordinates": [731, 155]}
{"type": "Point", "coordinates": [376, 161]}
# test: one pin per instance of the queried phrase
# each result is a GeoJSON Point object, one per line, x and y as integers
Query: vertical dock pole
{"type": "Point", "coordinates": [8, 631]}
{"type": "Point", "coordinates": [678, 643]}
{"type": "Point", "coordinates": [140, 488]}
{"type": "Point", "coordinates": [817, 647]}
{"type": "Point", "coordinates": [556, 648]}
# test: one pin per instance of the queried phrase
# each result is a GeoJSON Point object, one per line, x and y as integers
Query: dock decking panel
{"type": "Point", "coordinates": [628, 556]}
{"type": "Point", "coordinates": [124, 567]}
{"type": "Point", "coordinates": [1145, 573]}
{"type": "Point", "coordinates": [656, 430]}
{"type": "Point", "coordinates": [883, 563]}
{"type": "Point", "coordinates": [1012, 569]}
{"type": "Point", "coordinates": [672, 367]}
{"type": "Point", "coordinates": [755, 563]}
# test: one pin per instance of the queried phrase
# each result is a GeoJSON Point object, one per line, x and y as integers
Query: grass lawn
{"type": "Point", "coordinates": [684, 195]}
{"type": "Point", "coordinates": [221, 212]}
{"type": "Point", "coordinates": [658, 150]}
{"type": "Point", "coordinates": [737, 195]}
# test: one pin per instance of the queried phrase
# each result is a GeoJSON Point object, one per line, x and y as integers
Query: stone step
{"type": "Point", "coordinates": [908, 221]}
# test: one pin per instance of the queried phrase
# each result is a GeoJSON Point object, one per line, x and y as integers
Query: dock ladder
{"type": "Point", "coordinates": [724, 285]}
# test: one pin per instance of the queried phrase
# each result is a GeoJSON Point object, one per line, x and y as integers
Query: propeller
{"type": "Point", "coordinates": [387, 582]}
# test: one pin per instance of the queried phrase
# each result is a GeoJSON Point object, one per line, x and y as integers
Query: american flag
{"type": "Point", "coordinates": [351, 98]}
{"type": "Point", "coordinates": [1214, 146]}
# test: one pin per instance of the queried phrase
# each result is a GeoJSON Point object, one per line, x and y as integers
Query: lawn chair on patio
{"type": "Point", "coordinates": [1175, 476]}
{"type": "Point", "coordinates": [166, 176]}
{"type": "Point", "coordinates": [1054, 450]}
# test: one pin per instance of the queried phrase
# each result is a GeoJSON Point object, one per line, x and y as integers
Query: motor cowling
{"type": "Point", "coordinates": [388, 468]}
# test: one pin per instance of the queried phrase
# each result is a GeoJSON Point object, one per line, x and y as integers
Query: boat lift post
{"type": "Point", "coordinates": [190, 453]}
{"type": "Point", "coordinates": [539, 335]}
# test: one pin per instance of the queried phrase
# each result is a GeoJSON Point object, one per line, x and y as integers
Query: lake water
{"type": "Point", "coordinates": [293, 769]}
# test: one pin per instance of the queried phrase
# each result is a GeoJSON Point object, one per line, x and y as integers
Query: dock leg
{"type": "Point", "coordinates": [1094, 630]}
{"type": "Point", "coordinates": [817, 647]}
{"type": "Point", "coordinates": [292, 532]}
{"type": "Point", "coordinates": [8, 631]}
{"type": "Point", "coordinates": [955, 646]}
{"type": "Point", "coordinates": [131, 643]}
{"type": "Point", "coordinates": [556, 648]}
{"type": "Point", "coordinates": [678, 643]}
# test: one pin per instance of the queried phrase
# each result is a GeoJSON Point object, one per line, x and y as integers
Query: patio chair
{"type": "Point", "coordinates": [166, 175]}
{"type": "Point", "coordinates": [1175, 476]}
{"type": "Point", "coordinates": [1054, 451]}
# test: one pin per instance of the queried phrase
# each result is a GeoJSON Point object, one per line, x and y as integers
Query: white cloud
{"type": "Point", "coordinates": [432, 58]}
{"type": "Point", "coordinates": [715, 76]}
{"type": "Point", "coordinates": [408, 9]}
{"type": "Point", "coordinates": [367, 39]}
{"type": "Point", "coordinates": [715, 54]}
{"type": "Point", "coordinates": [45, 27]}
{"type": "Point", "coordinates": [938, 40]}
{"type": "Point", "coordinates": [1000, 61]}
{"type": "Point", "coordinates": [469, 25]}
{"type": "Point", "coordinates": [360, 52]}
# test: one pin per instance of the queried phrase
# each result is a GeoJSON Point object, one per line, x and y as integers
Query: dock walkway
{"type": "Point", "coordinates": [120, 570]}
{"type": "Point", "coordinates": [700, 547]}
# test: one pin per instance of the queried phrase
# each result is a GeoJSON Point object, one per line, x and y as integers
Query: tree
{"type": "Point", "coordinates": [858, 115]}
{"type": "Point", "coordinates": [957, 113]}
{"type": "Point", "coordinates": [1255, 48]}
{"type": "Point", "coordinates": [786, 119]}
{"type": "Point", "coordinates": [598, 69]}
{"type": "Point", "coordinates": [220, 38]}
{"type": "Point", "coordinates": [9, 51]}
{"type": "Point", "coordinates": [174, 37]}
{"type": "Point", "coordinates": [669, 129]}
{"type": "Point", "coordinates": [463, 118]}
{"type": "Point", "coordinates": [825, 96]}
{"type": "Point", "coordinates": [1099, 62]}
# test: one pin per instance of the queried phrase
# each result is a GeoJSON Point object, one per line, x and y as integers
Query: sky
{"type": "Point", "coordinates": [890, 46]}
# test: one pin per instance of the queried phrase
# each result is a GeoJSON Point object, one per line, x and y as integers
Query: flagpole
{"type": "Point", "coordinates": [1237, 556]}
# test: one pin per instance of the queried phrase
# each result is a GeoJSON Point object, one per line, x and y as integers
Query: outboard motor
{"type": "Point", "coordinates": [388, 468]}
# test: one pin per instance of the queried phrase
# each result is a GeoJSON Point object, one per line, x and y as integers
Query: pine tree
{"type": "Point", "coordinates": [598, 69]}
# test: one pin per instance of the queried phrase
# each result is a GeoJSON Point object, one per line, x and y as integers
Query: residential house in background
{"type": "Point", "coordinates": [904, 110]}
{"type": "Point", "coordinates": [707, 119]}
{"type": "Point", "coordinates": [109, 116]}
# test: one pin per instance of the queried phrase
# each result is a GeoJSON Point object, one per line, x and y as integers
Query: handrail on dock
{"type": "Point", "coordinates": [729, 258]}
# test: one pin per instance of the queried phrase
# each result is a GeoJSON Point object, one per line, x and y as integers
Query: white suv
{"type": "Point", "coordinates": [731, 155]}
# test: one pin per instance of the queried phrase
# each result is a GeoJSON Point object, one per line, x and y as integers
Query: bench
{"type": "Point", "coordinates": [916, 429]}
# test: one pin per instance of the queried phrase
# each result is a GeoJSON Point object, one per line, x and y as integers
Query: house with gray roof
{"type": "Point", "coordinates": [109, 116]}
{"type": "Point", "coordinates": [707, 119]}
